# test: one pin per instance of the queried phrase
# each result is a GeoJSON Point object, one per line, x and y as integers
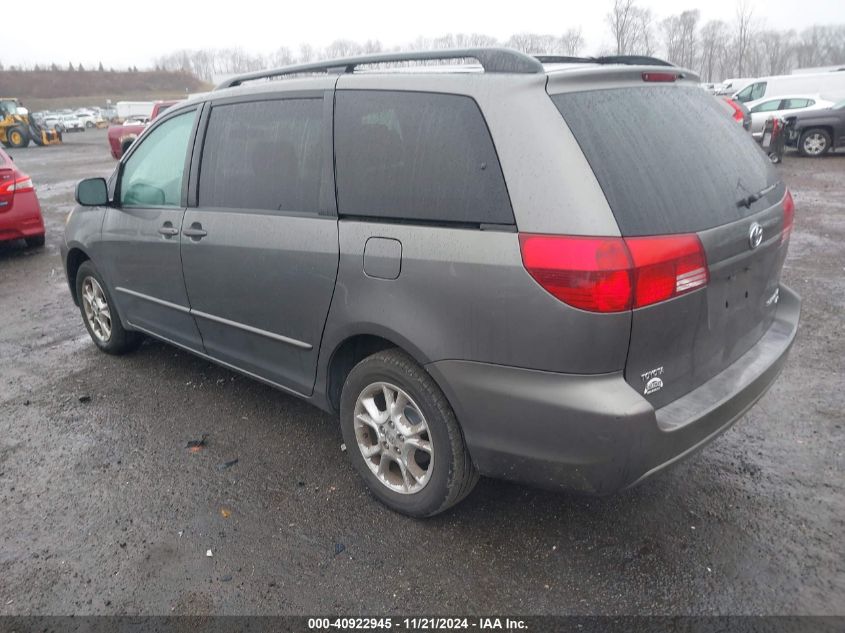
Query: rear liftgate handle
{"type": "Point", "coordinates": [195, 232]}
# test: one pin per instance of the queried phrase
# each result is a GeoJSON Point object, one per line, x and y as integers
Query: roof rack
{"type": "Point", "coordinates": [492, 60]}
{"type": "Point", "coordinates": [631, 60]}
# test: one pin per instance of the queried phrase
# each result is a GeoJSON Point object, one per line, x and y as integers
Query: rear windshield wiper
{"type": "Point", "coordinates": [747, 201]}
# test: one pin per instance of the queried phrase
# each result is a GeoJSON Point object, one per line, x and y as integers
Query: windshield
{"type": "Point", "coordinates": [8, 107]}
{"type": "Point", "coordinates": [839, 105]}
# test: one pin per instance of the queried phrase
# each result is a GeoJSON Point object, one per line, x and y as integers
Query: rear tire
{"type": "Point", "coordinates": [415, 432]}
{"type": "Point", "coordinates": [100, 314]}
{"type": "Point", "coordinates": [36, 241]}
{"type": "Point", "coordinates": [814, 142]}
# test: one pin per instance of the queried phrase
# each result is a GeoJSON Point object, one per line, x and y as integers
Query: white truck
{"type": "Point", "coordinates": [830, 85]}
{"type": "Point", "coordinates": [130, 109]}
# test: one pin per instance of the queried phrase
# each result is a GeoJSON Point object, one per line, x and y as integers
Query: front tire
{"type": "Point", "coordinates": [36, 241]}
{"type": "Point", "coordinates": [403, 437]}
{"type": "Point", "coordinates": [814, 142]}
{"type": "Point", "coordinates": [100, 315]}
{"type": "Point", "coordinates": [17, 137]}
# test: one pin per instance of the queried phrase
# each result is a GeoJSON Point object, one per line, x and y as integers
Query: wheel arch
{"type": "Point", "coordinates": [75, 258]}
{"type": "Point", "coordinates": [352, 348]}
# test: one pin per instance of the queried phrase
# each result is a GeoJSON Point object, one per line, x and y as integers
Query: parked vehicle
{"type": "Point", "coordinates": [733, 85]}
{"type": "Point", "coordinates": [828, 84]}
{"type": "Point", "coordinates": [88, 119]}
{"type": "Point", "coordinates": [738, 112]}
{"type": "Point", "coordinates": [70, 123]}
{"type": "Point", "coordinates": [20, 212]}
{"type": "Point", "coordinates": [122, 136]}
{"type": "Point", "coordinates": [816, 133]}
{"type": "Point", "coordinates": [764, 109]}
{"type": "Point", "coordinates": [464, 264]}
{"type": "Point", "coordinates": [126, 109]}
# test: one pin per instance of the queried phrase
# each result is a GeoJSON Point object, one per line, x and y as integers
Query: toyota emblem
{"type": "Point", "coordinates": [755, 235]}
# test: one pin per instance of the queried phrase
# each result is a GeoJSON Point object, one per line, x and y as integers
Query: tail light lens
{"type": "Point", "coordinates": [591, 273]}
{"type": "Point", "coordinates": [666, 266]}
{"type": "Point", "coordinates": [16, 185]}
{"type": "Point", "coordinates": [7, 180]}
{"type": "Point", "coordinates": [614, 274]}
{"type": "Point", "coordinates": [788, 217]}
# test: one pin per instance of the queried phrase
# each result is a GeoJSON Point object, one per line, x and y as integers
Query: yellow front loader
{"type": "Point", "coordinates": [17, 129]}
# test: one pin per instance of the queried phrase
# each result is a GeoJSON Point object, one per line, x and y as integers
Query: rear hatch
{"type": "Point", "coordinates": [672, 163]}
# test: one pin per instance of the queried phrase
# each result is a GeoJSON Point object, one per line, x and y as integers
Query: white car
{"type": "Point", "coordinates": [89, 119]}
{"type": "Point", "coordinates": [764, 108]}
{"type": "Point", "coordinates": [70, 123]}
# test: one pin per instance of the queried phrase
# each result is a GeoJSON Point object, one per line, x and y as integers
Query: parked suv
{"type": "Point", "coordinates": [558, 271]}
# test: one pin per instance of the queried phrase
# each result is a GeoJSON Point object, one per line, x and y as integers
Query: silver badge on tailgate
{"type": "Point", "coordinates": [755, 235]}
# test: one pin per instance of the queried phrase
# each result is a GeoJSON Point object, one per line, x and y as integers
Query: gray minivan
{"type": "Point", "coordinates": [559, 271]}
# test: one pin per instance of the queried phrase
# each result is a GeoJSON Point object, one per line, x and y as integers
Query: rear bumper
{"type": "Point", "coordinates": [595, 433]}
{"type": "Point", "coordinates": [23, 219]}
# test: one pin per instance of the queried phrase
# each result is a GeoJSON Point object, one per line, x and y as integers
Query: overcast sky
{"type": "Point", "coordinates": [136, 33]}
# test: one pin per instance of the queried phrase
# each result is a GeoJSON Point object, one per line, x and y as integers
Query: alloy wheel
{"type": "Point", "coordinates": [814, 144]}
{"type": "Point", "coordinates": [393, 437]}
{"type": "Point", "coordinates": [96, 308]}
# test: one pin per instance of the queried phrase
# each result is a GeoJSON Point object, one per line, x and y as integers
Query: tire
{"type": "Point", "coordinates": [118, 341]}
{"type": "Point", "coordinates": [814, 142]}
{"type": "Point", "coordinates": [441, 480]}
{"type": "Point", "coordinates": [17, 137]}
{"type": "Point", "coordinates": [36, 241]}
{"type": "Point", "coordinates": [89, 125]}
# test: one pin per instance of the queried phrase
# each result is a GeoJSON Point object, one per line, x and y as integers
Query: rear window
{"type": "Point", "coordinates": [417, 156]}
{"type": "Point", "coordinates": [667, 157]}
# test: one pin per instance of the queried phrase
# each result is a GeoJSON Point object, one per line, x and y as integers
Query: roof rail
{"type": "Point", "coordinates": [631, 60]}
{"type": "Point", "coordinates": [492, 60]}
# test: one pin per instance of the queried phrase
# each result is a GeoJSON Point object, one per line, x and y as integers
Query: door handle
{"type": "Point", "coordinates": [195, 232]}
{"type": "Point", "coordinates": [168, 230]}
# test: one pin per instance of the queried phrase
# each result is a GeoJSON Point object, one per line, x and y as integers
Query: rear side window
{"type": "Point", "coordinates": [263, 155]}
{"type": "Point", "coordinates": [666, 157]}
{"type": "Point", "coordinates": [417, 156]}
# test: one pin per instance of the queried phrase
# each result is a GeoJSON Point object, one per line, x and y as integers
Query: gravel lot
{"type": "Point", "coordinates": [105, 511]}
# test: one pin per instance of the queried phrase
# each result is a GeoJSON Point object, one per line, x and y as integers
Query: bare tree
{"type": "Point", "coordinates": [622, 22]}
{"type": "Point", "coordinates": [713, 44]}
{"type": "Point", "coordinates": [743, 34]}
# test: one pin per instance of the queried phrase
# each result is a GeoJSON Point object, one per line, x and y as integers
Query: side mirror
{"type": "Point", "coordinates": [92, 192]}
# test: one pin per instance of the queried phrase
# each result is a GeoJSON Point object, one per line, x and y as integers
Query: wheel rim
{"type": "Point", "coordinates": [96, 309]}
{"type": "Point", "coordinates": [393, 437]}
{"type": "Point", "coordinates": [16, 137]}
{"type": "Point", "coordinates": [814, 144]}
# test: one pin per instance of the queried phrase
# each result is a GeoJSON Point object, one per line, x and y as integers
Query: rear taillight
{"type": "Point", "coordinates": [788, 217]}
{"type": "Point", "coordinates": [666, 266]}
{"type": "Point", "coordinates": [16, 185]}
{"type": "Point", "coordinates": [614, 274]}
{"type": "Point", "coordinates": [591, 273]}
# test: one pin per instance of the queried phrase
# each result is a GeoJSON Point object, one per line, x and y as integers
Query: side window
{"type": "Point", "coordinates": [758, 90]}
{"type": "Point", "coordinates": [417, 156]}
{"type": "Point", "coordinates": [263, 155]}
{"type": "Point", "coordinates": [767, 106]}
{"type": "Point", "coordinates": [744, 94]}
{"type": "Point", "coordinates": [791, 104]}
{"type": "Point", "coordinates": [152, 175]}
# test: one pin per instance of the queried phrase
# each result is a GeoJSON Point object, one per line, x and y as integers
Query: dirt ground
{"type": "Point", "coordinates": [105, 511]}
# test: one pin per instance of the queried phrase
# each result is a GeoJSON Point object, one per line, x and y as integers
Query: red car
{"type": "Point", "coordinates": [20, 213]}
